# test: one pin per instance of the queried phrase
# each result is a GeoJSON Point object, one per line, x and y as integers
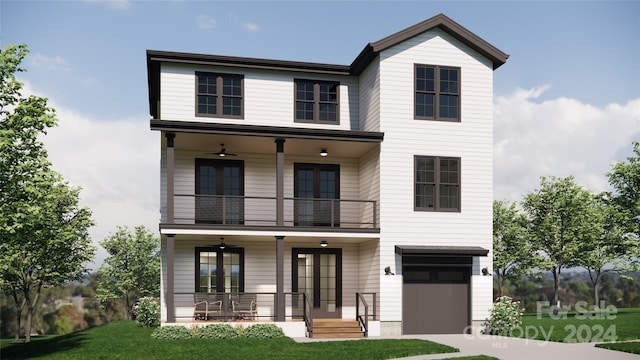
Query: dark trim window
{"type": "Point", "coordinates": [317, 101]}
{"type": "Point", "coordinates": [437, 183]}
{"type": "Point", "coordinates": [219, 95]}
{"type": "Point", "coordinates": [316, 188]}
{"type": "Point", "coordinates": [219, 270]}
{"type": "Point", "coordinates": [437, 93]}
{"type": "Point", "coordinates": [219, 191]}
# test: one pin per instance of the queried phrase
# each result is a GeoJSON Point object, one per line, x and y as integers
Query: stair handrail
{"type": "Point", "coordinates": [307, 314]}
{"type": "Point", "coordinates": [364, 322]}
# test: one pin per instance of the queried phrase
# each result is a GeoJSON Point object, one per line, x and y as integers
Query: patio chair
{"type": "Point", "coordinates": [203, 307]}
{"type": "Point", "coordinates": [244, 307]}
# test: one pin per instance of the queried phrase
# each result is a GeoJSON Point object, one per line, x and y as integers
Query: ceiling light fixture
{"type": "Point", "coordinates": [323, 152]}
{"type": "Point", "coordinates": [222, 245]}
{"type": "Point", "coordinates": [323, 243]}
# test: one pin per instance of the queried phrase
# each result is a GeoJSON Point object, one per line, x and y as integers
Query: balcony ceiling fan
{"type": "Point", "coordinates": [223, 152]}
{"type": "Point", "coordinates": [222, 245]}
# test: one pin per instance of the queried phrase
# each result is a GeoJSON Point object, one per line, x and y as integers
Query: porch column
{"type": "Point", "coordinates": [169, 296]}
{"type": "Point", "coordinates": [279, 182]}
{"type": "Point", "coordinates": [280, 300]}
{"type": "Point", "coordinates": [170, 169]}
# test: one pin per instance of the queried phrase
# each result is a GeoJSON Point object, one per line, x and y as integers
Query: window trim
{"type": "Point", "coordinates": [436, 207]}
{"type": "Point", "coordinates": [437, 93]}
{"type": "Point", "coordinates": [219, 100]}
{"type": "Point", "coordinates": [236, 250]}
{"type": "Point", "coordinates": [219, 164]}
{"type": "Point", "coordinates": [316, 101]}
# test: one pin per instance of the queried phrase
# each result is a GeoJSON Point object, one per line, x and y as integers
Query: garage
{"type": "Point", "coordinates": [436, 288]}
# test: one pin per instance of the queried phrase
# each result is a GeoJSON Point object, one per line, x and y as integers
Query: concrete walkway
{"type": "Point", "coordinates": [508, 348]}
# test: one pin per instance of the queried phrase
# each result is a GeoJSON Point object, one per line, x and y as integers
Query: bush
{"type": "Point", "coordinates": [218, 331]}
{"type": "Point", "coordinates": [147, 312]}
{"type": "Point", "coordinates": [263, 331]}
{"type": "Point", "coordinates": [505, 316]}
{"type": "Point", "coordinates": [172, 333]}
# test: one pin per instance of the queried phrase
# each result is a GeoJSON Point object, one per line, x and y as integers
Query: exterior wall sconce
{"type": "Point", "coordinates": [323, 152]}
{"type": "Point", "coordinates": [485, 271]}
{"type": "Point", "coordinates": [323, 243]}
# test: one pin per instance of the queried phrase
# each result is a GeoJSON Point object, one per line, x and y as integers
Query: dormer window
{"type": "Point", "coordinates": [219, 95]}
{"type": "Point", "coordinates": [317, 101]}
{"type": "Point", "coordinates": [437, 93]}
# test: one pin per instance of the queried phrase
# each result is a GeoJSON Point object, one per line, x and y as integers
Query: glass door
{"type": "Point", "coordinates": [318, 272]}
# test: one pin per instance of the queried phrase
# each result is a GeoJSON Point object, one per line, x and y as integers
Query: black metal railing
{"type": "Point", "coordinates": [261, 211]}
{"type": "Point", "coordinates": [363, 316]}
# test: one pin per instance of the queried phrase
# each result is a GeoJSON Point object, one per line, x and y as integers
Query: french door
{"type": "Point", "coordinates": [219, 191]}
{"type": "Point", "coordinates": [318, 272]}
{"type": "Point", "coordinates": [320, 184]}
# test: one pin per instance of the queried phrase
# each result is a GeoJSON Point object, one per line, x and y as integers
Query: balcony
{"type": "Point", "coordinates": [258, 211]}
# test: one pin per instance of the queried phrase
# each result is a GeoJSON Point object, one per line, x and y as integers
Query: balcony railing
{"type": "Point", "coordinates": [261, 211]}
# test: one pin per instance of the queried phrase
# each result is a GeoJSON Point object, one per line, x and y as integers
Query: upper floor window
{"type": "Point", "coordinates": [437, 183]}
{"type": "Point", "coordinates": [219, 95]}
{"type": "Point", "coordinates": [317, 101]}
{"type": "Point", "coordinates": [437, 90]}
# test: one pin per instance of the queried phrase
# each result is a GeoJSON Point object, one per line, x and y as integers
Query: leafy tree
{"type": "Point", "coordinates": [560, 219]}
{"type": "Point", "coordinates": [44, 233]}
{"type": "Point", "coordinates": [611, 249]}
{"type": "Point", "coordinates": [624, 177]}
{"type": "Point", "coordinates": [513, 254]}
{"type": "Point", "coordinates": [132, 269]}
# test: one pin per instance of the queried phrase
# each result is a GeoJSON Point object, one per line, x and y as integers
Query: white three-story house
{"type": "Point", "coordinates": [295, 192]}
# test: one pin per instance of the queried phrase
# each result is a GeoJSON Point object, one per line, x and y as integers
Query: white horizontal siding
{"type": "Point", "coordinates": [269, 97]}
{"type": "Point", "coordinates": [370, 97]}
{"type": "Point", "coordinates": [471, 140]}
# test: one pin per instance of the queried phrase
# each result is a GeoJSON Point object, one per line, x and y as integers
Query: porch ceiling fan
{"type": "Point", "coordinates": [222, 245]}
{"type": "Point", "coordinates": [223, 152]}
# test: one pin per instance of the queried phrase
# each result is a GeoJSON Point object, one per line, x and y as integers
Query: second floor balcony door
{"type": "Point", "coordinates": [320, 184]}
{"type": "Point", "coordinates": [219, 191]}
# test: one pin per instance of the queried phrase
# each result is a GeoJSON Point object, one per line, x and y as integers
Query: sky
{"type": "Point", "coordinates": [567, 101]}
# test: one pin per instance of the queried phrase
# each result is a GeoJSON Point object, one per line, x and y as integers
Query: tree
{"type": "Point", "coordinates": [611, 249]}
{"type": "Point", "coordinates": [132, 269]}
{"type": "Point", "coordinates": [624, 177]}
{"type": "Point", "coordinates": [513, 254]}
{"type": "Point", "coordinates": [44, 233]}
{"type": "Point", "coordinates": [559, 221]}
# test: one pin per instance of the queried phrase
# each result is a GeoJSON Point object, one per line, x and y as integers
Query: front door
{"type": "Point", "coordinates": [318, 272]}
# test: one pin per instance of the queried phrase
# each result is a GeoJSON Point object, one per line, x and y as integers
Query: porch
{"type": "Point", "coordinates": [197, 309]}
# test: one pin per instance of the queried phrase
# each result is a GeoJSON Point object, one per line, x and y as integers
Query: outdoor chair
{"type": "Point", "coordinates": [202, 307]}
{"type": "Point", "coordinates": [244, 307]}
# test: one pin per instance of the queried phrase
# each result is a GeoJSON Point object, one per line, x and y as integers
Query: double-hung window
{"type": "Point", "coordinates": [437, 183]}
{"type": "Point", "coordinates": [219, 95]}
{"type": "Point", "coordinates": [437, 93]}
{"type": "Point", "coordinates": [317, 101]}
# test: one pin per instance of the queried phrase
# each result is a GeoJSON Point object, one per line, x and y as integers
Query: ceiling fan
{"type": "Point", "coordinates": [223, 152]}
{"type": "Point", "coordinates": [222, 245]}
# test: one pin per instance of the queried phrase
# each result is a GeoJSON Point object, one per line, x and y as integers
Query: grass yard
{"type": "Point", "coordinates": [128, 340]}
{"type": "Point", "coordinates": [627, 346]}
{"type": "Point", "coordinates": [571, 329]}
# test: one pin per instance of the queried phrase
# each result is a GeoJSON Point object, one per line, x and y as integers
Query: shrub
{"type": "Point", "coordinates": [218, 331]}
{"type": "Point", "coordinates": [172, 332]}
{"type": "Point", "coordinates": [505, 316]}
{"type": "Point", "coordinates": [147, 312]}
{"type": "Point", "coordinates": [263, 331]}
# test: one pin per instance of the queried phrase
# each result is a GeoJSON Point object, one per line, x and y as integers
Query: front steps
{"type": "Point", "coordinates": [336, 329]}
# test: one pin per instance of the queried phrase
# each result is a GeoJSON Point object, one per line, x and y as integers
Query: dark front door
{"type": "Point", "coordinates": [318, 272]}
{"type": "Point", "coordinates": [219, 191]}
{"type": "Point", "coordinates": [320, 184]}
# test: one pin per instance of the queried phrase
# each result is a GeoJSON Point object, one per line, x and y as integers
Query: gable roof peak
{"type": "Point", "coordinates": [440, 21]}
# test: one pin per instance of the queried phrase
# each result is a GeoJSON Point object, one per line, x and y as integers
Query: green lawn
{"type": "Point", "coordinates": [628, 346]}
{"type": "Point", "coordinates": [127, 340]}
{"type": "Point", "coordinates": [572, 329]}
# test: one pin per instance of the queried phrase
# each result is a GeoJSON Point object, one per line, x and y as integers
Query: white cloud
{"type": "Point", "coordinates": [251, 26]}
{"type": "Point", "coordinates": [116, 163]}
{"type": "Point", "coordinates": [559, 137]}
{"type": "Point", "coordinates": [206, 22]}
{"type": "Point", "coordinates": [56, 63]}
{"type": "Point", "coordinates": [112, 4]}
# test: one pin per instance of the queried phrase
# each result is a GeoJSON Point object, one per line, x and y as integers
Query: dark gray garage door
{"type": "Point", "coordinates": [435, 299]}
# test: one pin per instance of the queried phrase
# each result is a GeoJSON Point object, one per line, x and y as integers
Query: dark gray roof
{"type": "Point", "coordinates": [366, 56]}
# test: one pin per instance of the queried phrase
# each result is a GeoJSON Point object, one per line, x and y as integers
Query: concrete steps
{"type": "Point", "coordinates": [336, 329]}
